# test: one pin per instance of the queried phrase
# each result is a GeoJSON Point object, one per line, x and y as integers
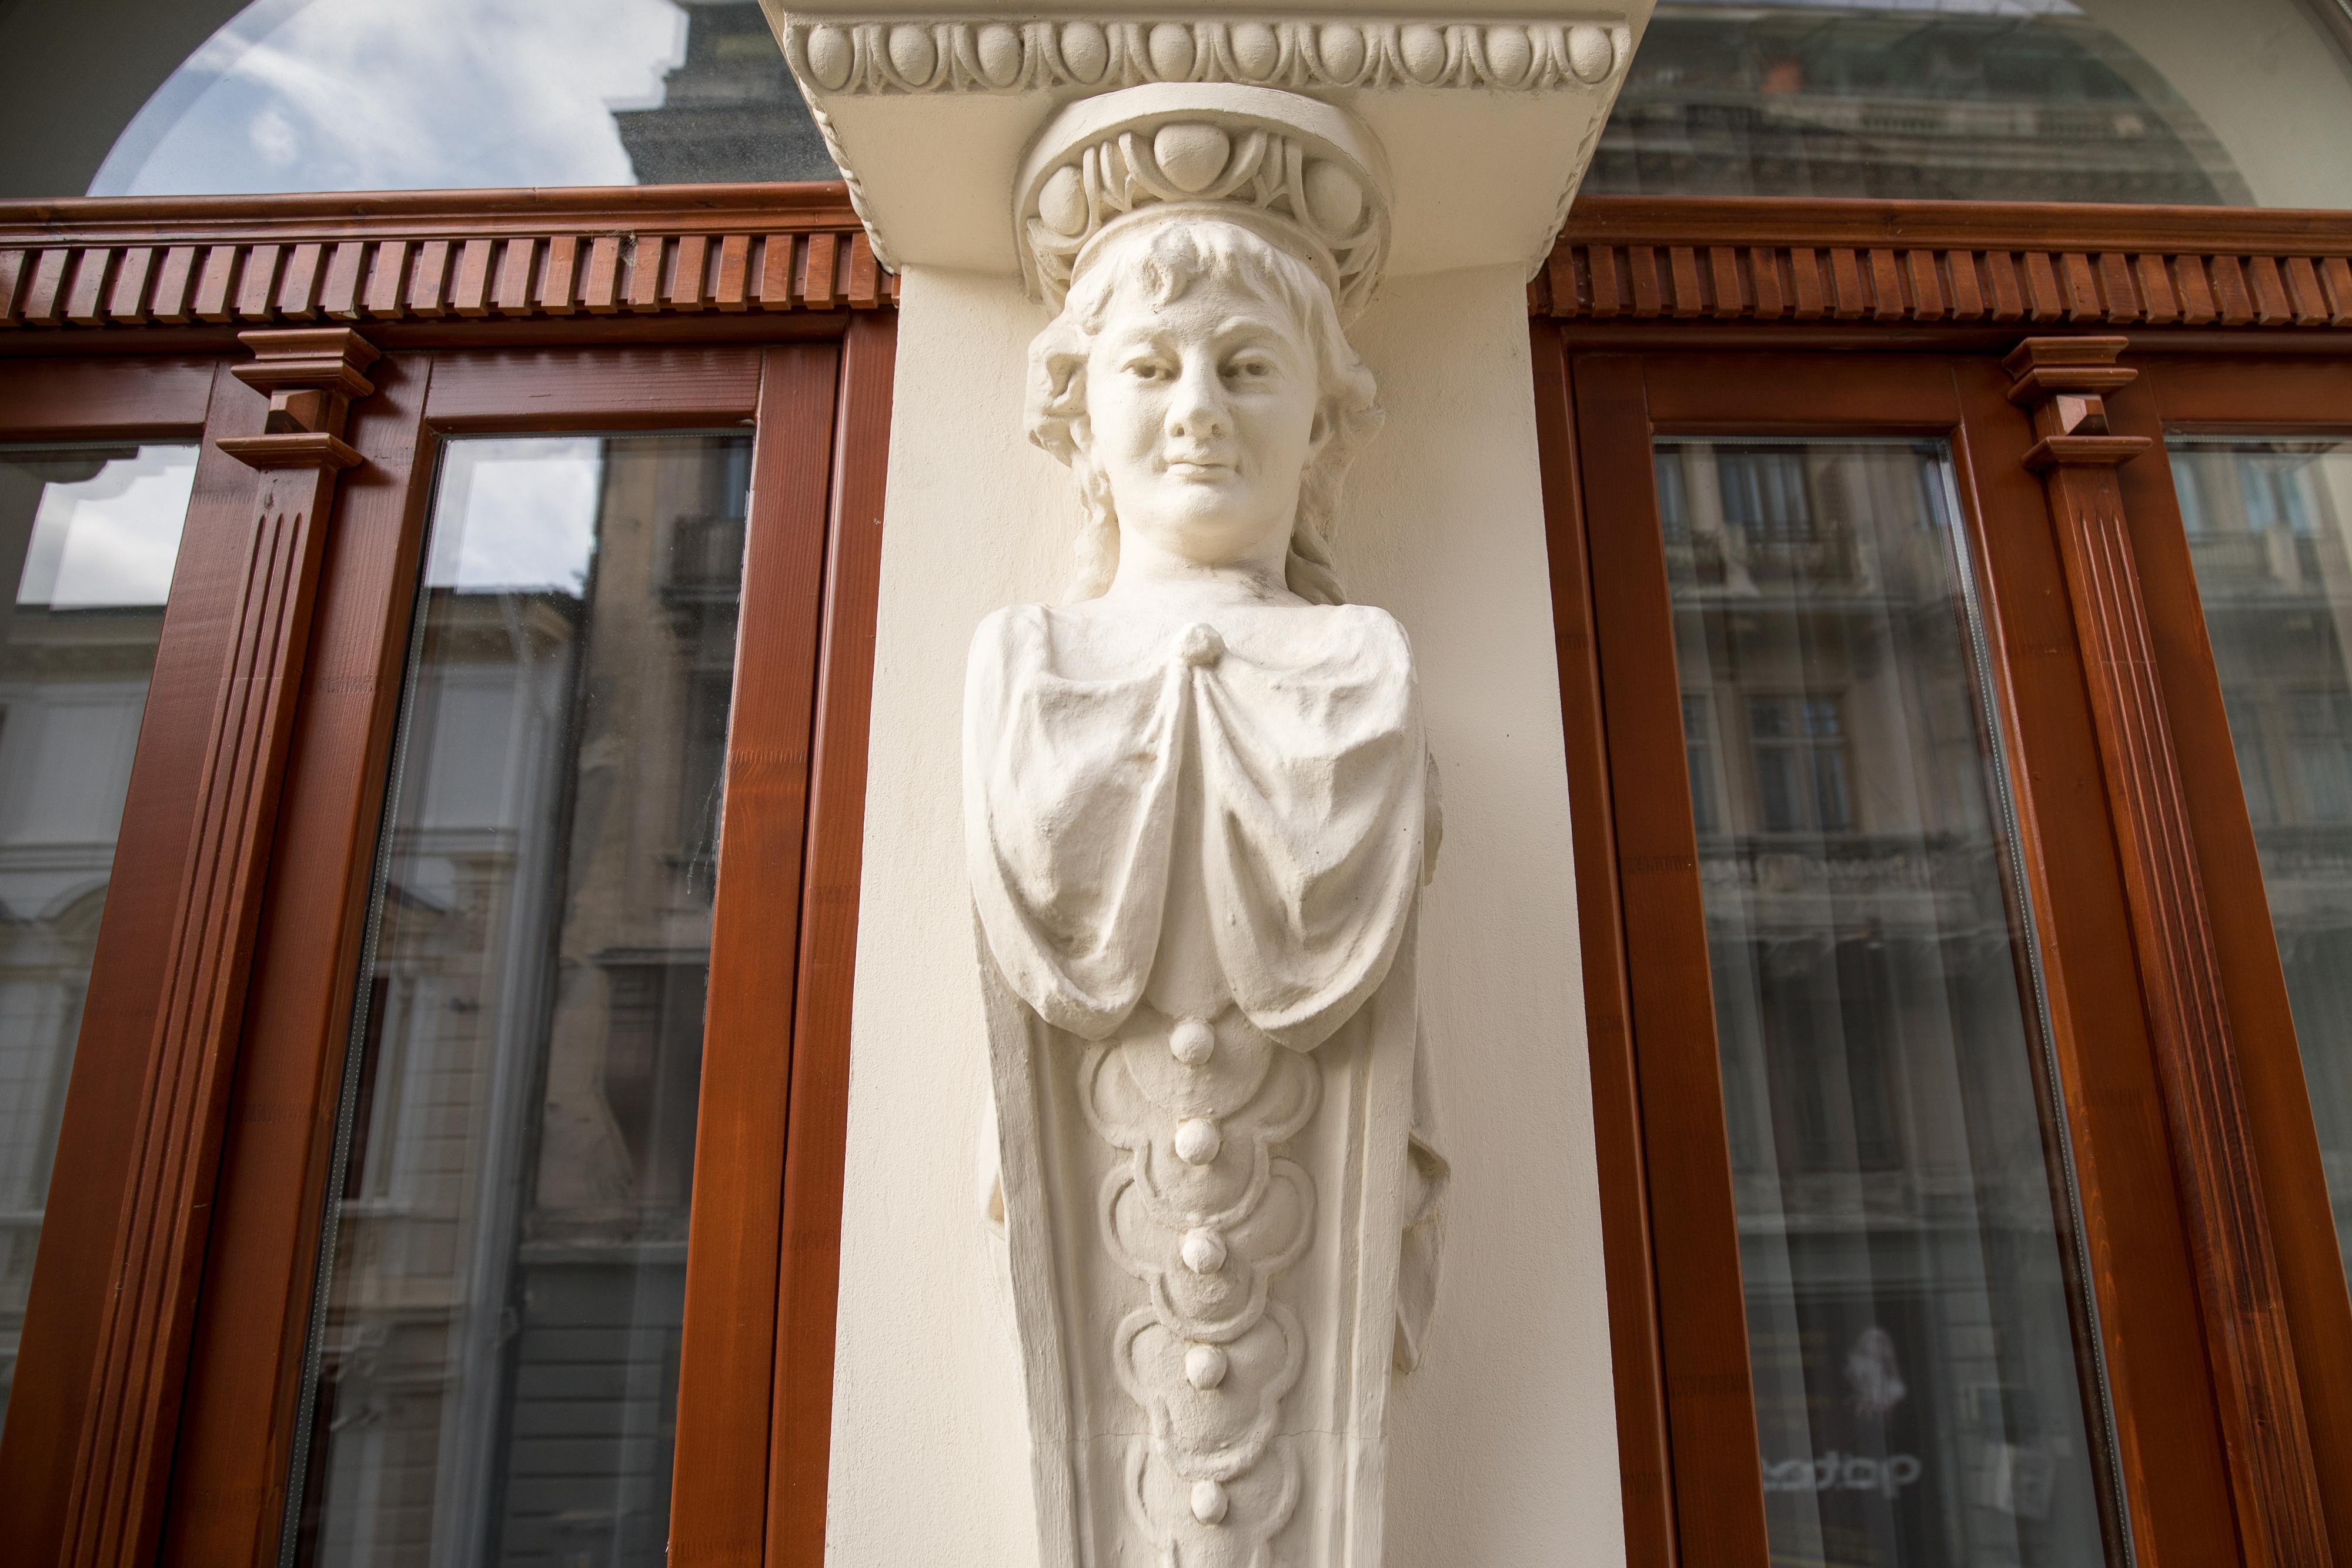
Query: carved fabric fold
{"type": "Point", "coordinates": [1287, 772]}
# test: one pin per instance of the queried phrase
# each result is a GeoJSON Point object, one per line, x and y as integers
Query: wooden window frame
{"type": "Point", "coordinates": [182, 397]}
{"type": "Point", "coordinates": [514, 313]}
{"type": "Point", "coordinates": [1645, 315]}
{"type": "Point", "coordinates": [2222, 394]}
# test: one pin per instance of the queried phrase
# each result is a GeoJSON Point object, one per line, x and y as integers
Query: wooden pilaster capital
{"type": "Point", "coordinates": [312, 374]}
{"type": "Point", "coordinates": [2063, 383]}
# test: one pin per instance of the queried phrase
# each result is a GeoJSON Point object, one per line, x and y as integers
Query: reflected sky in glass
{"type": "Point", "coordinates": [538, 497]}
{"type": "Point", "coordinates": [109, 539]}
{"type": "Point", "coordinates": [357, 95]}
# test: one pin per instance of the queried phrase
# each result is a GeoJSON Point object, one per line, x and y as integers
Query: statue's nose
{"type": "Point", "coordinates": [1199, 409]}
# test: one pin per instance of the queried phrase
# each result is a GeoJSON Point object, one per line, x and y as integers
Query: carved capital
{"type": "Point", "coordinates": [1492, 114]}
{"type": "Point", "coordinates": [2063, 383]}
{"type": "Point", "coordinates": [310, 375]}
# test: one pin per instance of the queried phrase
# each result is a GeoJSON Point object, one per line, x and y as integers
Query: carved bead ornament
{"type": "Point", "coordinates": [918, 56]}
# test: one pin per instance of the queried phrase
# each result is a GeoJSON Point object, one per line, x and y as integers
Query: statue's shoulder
{"type": "Point", "coordinates": [1011, 634]}
{"type": "Point", "coordinates": [1376, 633]}
{"type": "Point", "coordinates": [1012, 624]}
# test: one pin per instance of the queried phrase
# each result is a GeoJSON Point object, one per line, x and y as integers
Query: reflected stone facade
{"type": "Point", "coordinates": [499, 1375]}
{"type": "Point", "coordinates": [728, 111]}
{"type": "Point", "coordinates": [1902, 1249]}
{"type": "Point", "coordinates": [2266, 523]}
{"type": "Point", "coordinates": [1960, 102]}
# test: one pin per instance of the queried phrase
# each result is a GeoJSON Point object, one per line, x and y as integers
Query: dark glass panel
{"type": "Point", "coordinates": [2266, 523]}
{"type": "Point", "coordinates": [89, 535]}
{"type": "Point", "coordinates": [494, 1356]}
{"type": "Point", "coordinates": [2044, 100]}
{"type": "Point", "coordinates": [1904, 1237]}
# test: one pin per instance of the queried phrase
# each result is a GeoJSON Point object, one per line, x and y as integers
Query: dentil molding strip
{"type": "Point", "coordinates": [1646, 259]}
{"type": "Point", "coordinates": [916, 55]}
{"type": "Point", "coordinates": [87, 265]}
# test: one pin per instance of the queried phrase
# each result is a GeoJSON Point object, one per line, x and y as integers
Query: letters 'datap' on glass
{"type": "Point", "coordinates": [1199, 814]}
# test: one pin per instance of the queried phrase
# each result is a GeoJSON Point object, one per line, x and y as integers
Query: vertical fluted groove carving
{"type": "Point", "coordinates": [125, 1443]}
{"type": "Point", "coordinates": [2064, 382]}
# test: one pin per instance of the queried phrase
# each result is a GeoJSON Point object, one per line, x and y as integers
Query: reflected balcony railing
{"type": "Point", "coordinates": [2261, 561]}
{"type": "Point", "coordinates": [1820, 557]}
{"type": "Point", "coordinates": [1847, 865]}
{"type": "Point", "coordinates": [2306, 858]}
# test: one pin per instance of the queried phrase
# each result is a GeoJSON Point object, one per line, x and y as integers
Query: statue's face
{"type": "Point", "coordinates": [1204, 415]}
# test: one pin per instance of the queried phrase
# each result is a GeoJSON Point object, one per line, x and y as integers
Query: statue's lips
{"type": "Point", "coordinates": [1187, 468]}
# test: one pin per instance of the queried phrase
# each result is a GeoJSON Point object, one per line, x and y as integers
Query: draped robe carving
{"type": "Point", "coordinates": [1196, 853]}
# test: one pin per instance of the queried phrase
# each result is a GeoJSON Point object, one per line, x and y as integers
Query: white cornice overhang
{"type": "Point", "coordinates": [1487, 116]}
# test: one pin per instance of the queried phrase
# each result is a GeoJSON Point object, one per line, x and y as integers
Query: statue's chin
{"type": "Point", "coordinates": [1209, 536]}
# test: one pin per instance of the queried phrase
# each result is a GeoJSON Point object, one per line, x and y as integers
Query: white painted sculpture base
{"type": "Point", "coordinates": [1250, 1440]}
{"type": "Point", "coordinates": [1196, 852]}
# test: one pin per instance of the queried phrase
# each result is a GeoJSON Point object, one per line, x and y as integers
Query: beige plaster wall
{"type": "Point", "coordinates": [1504, 1450]}
{"type": "Point", "coordinates": [2270, 81]}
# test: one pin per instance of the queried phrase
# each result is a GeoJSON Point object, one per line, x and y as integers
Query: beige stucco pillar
{"type": "Point", "coordinates": [1504, 1440]}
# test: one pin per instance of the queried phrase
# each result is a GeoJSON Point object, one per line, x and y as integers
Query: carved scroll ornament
{"type": "Point", "coordinates": [1198, 820]}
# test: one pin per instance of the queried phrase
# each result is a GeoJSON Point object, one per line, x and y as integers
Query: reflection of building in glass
{"type": "Point", "coordinates": [2266, 525]}
{"type": "Point", "coordinates": [729, 110]}
{"type": "Point", "coordinates": [499, 1378]}
{"type": "Point", "coordinates": [1957, 102]}
{"type": "Point", "coordinates": [1909, 1332]}
{"type": "Point", "coordinates": [74, 668]}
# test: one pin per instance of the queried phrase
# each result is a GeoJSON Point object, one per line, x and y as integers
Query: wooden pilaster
{"type": "Point", "coordinates": [2063, 383]}
{"type": "Point", "coordinates": [123, 1460]}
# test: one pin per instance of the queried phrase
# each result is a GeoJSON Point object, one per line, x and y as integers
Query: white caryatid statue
{"type": "Point", "coordinates": [1200, 810]}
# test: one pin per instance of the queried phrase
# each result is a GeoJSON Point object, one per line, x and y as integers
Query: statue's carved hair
{"type": "Point", "coordinates": [1166, 258]}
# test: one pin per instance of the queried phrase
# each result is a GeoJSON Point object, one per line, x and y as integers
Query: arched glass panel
{"type": "Point", "coordinates": [2044, 100]}
{"type": "Point", "coordinates": [366, 95]}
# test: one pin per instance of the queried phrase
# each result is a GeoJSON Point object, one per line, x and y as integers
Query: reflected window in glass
{"type": "Point", "coordinates": [493, 1364]}
{"type": "Point", "coordinates": [2275, 576]}
{"type": "Point", "coordinates": [89, 535]}
{"type": "Point", "coordinates": [2017, 100]}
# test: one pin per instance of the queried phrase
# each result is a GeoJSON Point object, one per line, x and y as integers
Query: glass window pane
{"type": "Point", "coordinates": [494, 1358]}
{"type": "Point", "coordinates": [89, 535]}
{"type": "Point", "coordinates": [366, 95]}
{"type": "Point", "coordinates": [1904, 1238]}
{"type": "Point", "coordinates": [2042, 101]}
{"type": "Point", "coordinates": [2275, 578]}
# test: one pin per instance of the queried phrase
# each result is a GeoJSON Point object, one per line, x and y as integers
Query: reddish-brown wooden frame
{"type": "Point", "coordinates": [118, 400]}
{"type": "Point", "coordinates": [786, 320]}
{"type": "Point", "coordinates": [2175, 1470]}
{"type": "Point", "coordinates": [1644, 1453]}
{"type": "Point", "coordinates": [236, 1423]}
{"type": "Point", "coordinates": [2309, 398]}
{"type": "Point", "coordinates": [235, 1442]}
{"type": "Point", "coordinates": [2233, 301]}
{"type": "Point", "coordinates": [809, 1266]}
